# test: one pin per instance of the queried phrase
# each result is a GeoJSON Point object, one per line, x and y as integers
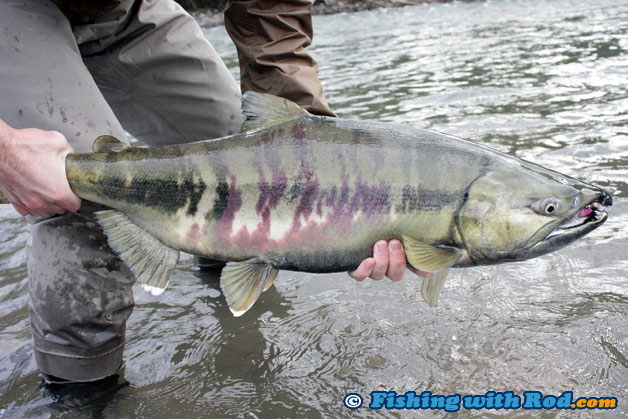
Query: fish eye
{"type": "Point", "coordinates": [550, 208]}
{"type": "Point", "coordinates": [547, 206]}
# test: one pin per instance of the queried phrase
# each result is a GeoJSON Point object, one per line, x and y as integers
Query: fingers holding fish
{"type": "Point", "coordinates": [396, 261]}
{"type": "Point", "coordinates": [375, 267]}
{"type": "Point", "coordinates": [388, 260]}
{"type": "Point", "coordinates": [364, 270]}
{"type": "Point", "coordinates": [380, 253]}
{"type": "Point", "coordinates": [32, 171]}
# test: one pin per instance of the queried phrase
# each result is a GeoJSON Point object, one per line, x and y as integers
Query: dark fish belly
{"type": "Point", "coordinates": [320, 261]}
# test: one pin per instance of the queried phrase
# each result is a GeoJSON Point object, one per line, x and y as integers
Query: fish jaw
{"type": "Point", "coordinates": [586, 219]}
{"type": "Point", "coordinates": [521, 211]}
{"type": "Point", "coordinates": [582, 221]}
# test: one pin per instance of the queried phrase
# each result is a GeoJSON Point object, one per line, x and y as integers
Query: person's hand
{"type": "Point", "coordinates": [388, 260]}
{"type": "Point", "coordinates": [32, 171]}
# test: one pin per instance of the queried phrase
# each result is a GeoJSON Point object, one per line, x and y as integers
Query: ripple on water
{"type": "Point", "coordinates": [542, 80]}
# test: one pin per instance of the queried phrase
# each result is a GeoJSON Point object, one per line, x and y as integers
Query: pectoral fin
{"type": "Point", "coordinates": [430, 288]}
{"type": "Point", "coordinates": [149, 259]}
{"type": "Point", "coordinates": [243, 282]}
{"type": "Point", "coordinates": [430, 258]}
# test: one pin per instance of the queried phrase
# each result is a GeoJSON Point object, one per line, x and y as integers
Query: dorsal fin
{"type": "Point", "coordinates": [108, 143]}
{"type": "Point", "coordinates": [263, 110]}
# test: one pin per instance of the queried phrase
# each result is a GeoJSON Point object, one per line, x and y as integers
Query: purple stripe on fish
{"type": "Point", "coordinates": [309, 193]}
{"type": "Point", "coordinates": [234, 203]}
{"type": "Point", "coordinates": [270, 194]}
{"type": "Point", "coordinates": [298, 130]}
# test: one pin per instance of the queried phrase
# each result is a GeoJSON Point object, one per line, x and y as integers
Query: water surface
{"type": "Point", "coordinates": [546, 81]}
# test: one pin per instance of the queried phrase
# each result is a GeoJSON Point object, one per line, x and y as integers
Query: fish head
{"type": "Point", "coordinates": [524, 211]}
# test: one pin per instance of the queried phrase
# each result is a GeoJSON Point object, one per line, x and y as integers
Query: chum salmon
{"type": "Point", "coordinates": [294, 191]}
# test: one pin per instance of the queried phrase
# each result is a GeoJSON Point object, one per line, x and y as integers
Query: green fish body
{"type": "Point", "coordinates": [299, 192]}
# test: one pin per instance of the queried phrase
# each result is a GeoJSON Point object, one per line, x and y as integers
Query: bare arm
{"type": "Point", "coordinates": [32, 171]}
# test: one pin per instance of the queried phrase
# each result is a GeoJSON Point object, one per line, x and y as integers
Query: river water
{"type": "Point", "coordinates": [544, 80]}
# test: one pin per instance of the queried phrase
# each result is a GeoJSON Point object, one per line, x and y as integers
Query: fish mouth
{"type": "Point", "coordinates": [586, 219]}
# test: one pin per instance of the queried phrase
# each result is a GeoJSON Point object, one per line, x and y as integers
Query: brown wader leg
{"type": "Point", "coordinates": [56, 77]}
{"type": "Point", "coordinates": [271, 37]}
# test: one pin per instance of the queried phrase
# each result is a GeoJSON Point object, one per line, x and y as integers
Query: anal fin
{"type": "Point", "coordinates": [243, 282]}
{"type": "Point", "coordinates": [150, 260]}
{"type": "Point", "coordinates": [271, 279]}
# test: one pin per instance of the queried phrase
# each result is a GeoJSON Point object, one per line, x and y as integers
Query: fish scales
{"type": "Point", "coordinates": [300, 192]}
{"type": "Point", "coordinates": [239, 197]}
